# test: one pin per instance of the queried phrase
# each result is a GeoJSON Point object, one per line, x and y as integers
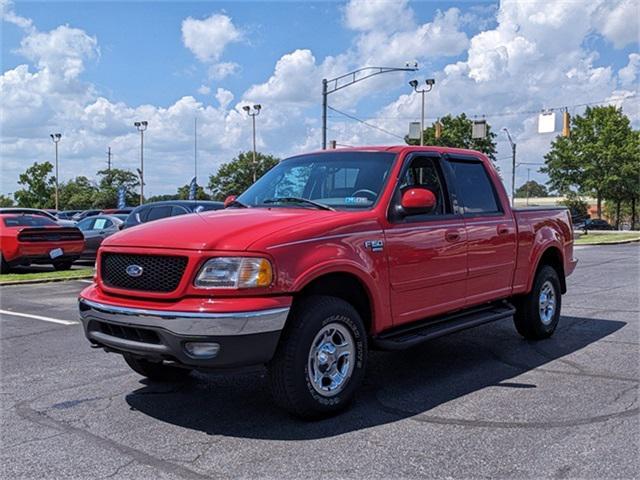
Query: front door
{"type": "Point", "coordinates": [426, 250]}
{"type": "Point", "coordinates": [490, 230]}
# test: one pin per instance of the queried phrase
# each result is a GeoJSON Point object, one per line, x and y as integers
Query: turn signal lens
{"type": "Point", "coordinates": [235, 272]}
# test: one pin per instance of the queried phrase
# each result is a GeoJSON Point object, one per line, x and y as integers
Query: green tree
{"type": "Point", "coordinates": [6, 201]}
{"type": "Point", "coordinates": [599, 158]}
{"type": "Point", "coordinates": [578, 208]}
{"type": "Point", "coordinates": [183, 193]}
{"type": "Point", "coordinates": [110, 182]}
{"type": "Point", "coordinates": [162, 198]}
{"type": "Point", "coordinates": [531, 189]}
{"type": "Point", "coordinates": [235, 177]}
{"type": "Point", "coordinates": [456, 132]}
{"type": "Point", "coordinates": [77, 194]}
{"type": "Point", "coordinates": [38, 187]}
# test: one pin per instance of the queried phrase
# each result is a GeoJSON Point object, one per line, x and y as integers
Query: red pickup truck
{"type": "Point", "coordinates": [327, 255]}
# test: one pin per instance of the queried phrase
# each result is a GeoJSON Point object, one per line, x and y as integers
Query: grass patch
{"type": "Point", "coordinates": [48, 275]}
{"type": "Point", "coordinates": [592, 238]}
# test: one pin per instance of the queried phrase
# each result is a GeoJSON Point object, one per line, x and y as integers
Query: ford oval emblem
{"type": "Point", "coordinates": [134, 270]}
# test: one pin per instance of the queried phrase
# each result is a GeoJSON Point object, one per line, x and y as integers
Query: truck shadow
{"type": "Point", "coordinates": [398, 384]}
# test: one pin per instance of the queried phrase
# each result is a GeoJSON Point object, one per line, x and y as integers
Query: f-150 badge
{"type": "Point", "coordinates": [374, 245]}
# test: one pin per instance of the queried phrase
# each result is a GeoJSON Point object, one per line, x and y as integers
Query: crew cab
{"type": "Point", "coordinates": [327, 255]}
{"type": "Point", "coordinates": [27, 239]}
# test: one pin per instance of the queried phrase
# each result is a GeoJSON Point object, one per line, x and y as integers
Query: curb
{"type": "Point", "coordinates": [43, 280]}
{"type": "Point", "coordinates": [615, 242]}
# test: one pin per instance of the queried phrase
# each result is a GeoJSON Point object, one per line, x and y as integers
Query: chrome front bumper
{"type": "Point", "coordinates": [187, 323]}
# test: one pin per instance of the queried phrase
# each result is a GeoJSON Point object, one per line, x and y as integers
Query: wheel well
{"type": "Point", "coordinates": [345, 286]}
{"type": "Point", "coordinates": [553, 258]}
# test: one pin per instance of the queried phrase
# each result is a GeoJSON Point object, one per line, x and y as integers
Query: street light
{"type": "Point", "coordinates": [56, 138]}
{"type": "Point", "coordinates": [430, 83]}
{"type": "Point", "coordinates": [141, 126]}
{"type": "Point", "coordinates": [334, 84]}
{"type": "Point", "coordinates": [513, 166]}
{"type": "Point", "coordinates": [253, 114]}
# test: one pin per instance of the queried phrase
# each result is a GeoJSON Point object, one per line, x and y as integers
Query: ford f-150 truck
{"type": "Point", "coordinates": [325, 256]}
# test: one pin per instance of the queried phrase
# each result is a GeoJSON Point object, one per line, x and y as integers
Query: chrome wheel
{"type": "Point", "coordinates": [331, 359]}
{"type": "Point", "coordinates": [547, 302]}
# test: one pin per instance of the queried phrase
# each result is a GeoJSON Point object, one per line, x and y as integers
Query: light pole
{"type": "Point", "coordinates": [253, 114]}
{"type": "Point", "coordinates": [334, 84]}
{"type": "Point", "coordinates": [430, 83]}
{"type": "Point", "coordinates": [56, 138]}
{"type": "Point", "coordinates": [513, 166]}
{"type": "Point", "coordinates": [141, 126]}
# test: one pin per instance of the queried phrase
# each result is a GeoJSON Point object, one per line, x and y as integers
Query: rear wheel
{"type": "Point", "coordinates": [66, 265]}
{"type": "Point", "coordinates": [4, 266]}
{"type": "Point", "coordinates": [321, 358]}
{"type": "Point", "coordinates": [156, 371]}
{"type": "Point", "coordinates": [537, 314]}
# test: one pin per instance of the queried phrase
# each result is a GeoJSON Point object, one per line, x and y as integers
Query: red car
{"type": "Point", "coordinates": [27, 239]}
{"type": "Point", "coordinates": [326, 255]}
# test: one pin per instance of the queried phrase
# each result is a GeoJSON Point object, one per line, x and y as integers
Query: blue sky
{"type": "Point", "coordinates": [90, 68]}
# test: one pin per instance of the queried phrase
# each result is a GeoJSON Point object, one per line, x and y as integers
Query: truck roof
{"type": "Point", "coordinates": [405, 148]}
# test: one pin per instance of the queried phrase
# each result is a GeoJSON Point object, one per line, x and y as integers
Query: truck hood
{"type": "Point", "coordinates": [231, 229]}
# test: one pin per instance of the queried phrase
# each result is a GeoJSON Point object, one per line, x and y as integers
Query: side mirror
{"type": "Point", "coordinates": [417, 200]}
{"type": "Point", "coordinates": [229, 200]}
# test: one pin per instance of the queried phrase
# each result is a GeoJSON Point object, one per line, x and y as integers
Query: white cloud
{"type": "Point", "coordinates": [224, 97]}
{"type": "Point", "coordinates": [367, 15]}
{"type": "Point", "coordinates": [619, 24]}
{"type": "Point", "coordinates": [204, 90]}
{"type": "Point", "coordinates": [628, 74]}
{"type": "Point", "coordinates": [222, 70]}
{"type": "Point", "coordinates": [208, 38]}
{"type": "Point", "coordinates": [8, 15]}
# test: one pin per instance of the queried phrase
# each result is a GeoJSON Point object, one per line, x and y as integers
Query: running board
{"type": "Point", "coordinates": [408, 336]}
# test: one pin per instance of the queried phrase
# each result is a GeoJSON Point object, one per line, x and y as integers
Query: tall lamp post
{"type": "Point", "coordinates": [253, 114]}
{"type": "Point", "coordinates": [513, 166]}
{"type": "Point", "coordinates": [338, 83]}
{"type": "Point", "coordinates": [56, 138]}
{"type": "Point", "coordinates": [141, 126]}
{"type": "Point", "coordinates": [430, 83]}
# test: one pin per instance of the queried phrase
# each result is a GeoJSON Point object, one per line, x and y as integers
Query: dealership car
{"type": "Point", "coordinates": [27, 239]}
{"type": "Point", "coordinates": [37, 211]}
{"type": "Point", "coordinates": [169, 208]}
{"type": "Point", "coordinates": [593, 224]}
{"type": "Point", "coordinates": [327, 254]}
{"type": "Point", "coordinates": [95, 230]}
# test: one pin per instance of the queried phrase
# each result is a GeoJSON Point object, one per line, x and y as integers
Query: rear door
{"type": "Point", "coordinates": [490, 232]}
{"type": "Point", "coordinates": [426, 252]}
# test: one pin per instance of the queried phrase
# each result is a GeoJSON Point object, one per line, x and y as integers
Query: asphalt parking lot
{"type": "Point", "coordinates": [482, 403]}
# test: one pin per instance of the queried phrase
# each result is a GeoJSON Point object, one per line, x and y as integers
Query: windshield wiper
{"type": "Point", "coordinates": [236, 203]}
{"type": "Point", "coordinates": [321, 206]}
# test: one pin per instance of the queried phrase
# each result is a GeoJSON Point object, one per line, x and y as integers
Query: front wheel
{"type": "Point", "coordinates": [156, 371]}
{"type": "Point", "coordinates": [537, 314]}
{"type": "Point", "coordinates": [66, 265]}
{"type": "Point", "coordinates": [321, 358]}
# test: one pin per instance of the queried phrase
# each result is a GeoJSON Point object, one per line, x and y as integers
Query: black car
{"type": "Point", "coordinates": [95, 229]}
{"type": "Point", "coordinates": [594, 224]}
{"type": "Point", "coordinates": [170, 208]}
{"type": "Point", "coordinates": [67, 214]}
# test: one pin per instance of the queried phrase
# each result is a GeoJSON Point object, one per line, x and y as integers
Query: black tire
{"type": "Point", "coordinates": [528, 319]}
{"type": "Point", "coordinates": [4, 266]}
{"type": "Point", "coordinates": [291, 386]}
{"type": "Point", "coordinates": [66, 265]}
{"type": "Point", "coordinates": [156, 371]}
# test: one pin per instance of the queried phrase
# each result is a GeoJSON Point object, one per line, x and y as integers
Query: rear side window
{"type": "Point", "coordinates": [177, 210]}
{"type": "Point", "coordinates": [28, 221]}
{"type": "Point", "coordinates": [475, 190]}
{"type": "Point", "coordinates": [159, 212]}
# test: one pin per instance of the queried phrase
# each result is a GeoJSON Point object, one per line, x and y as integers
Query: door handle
{"type": "Point", "coordinates": [503, 229]}
{"type": "Point", "coordinates": [452, 236]}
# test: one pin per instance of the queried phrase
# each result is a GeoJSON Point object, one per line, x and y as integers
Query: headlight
{"type": "Point", "coordinates": [235, 272]}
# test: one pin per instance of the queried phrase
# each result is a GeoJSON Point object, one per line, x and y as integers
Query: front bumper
{"type": "Point", "coordinates": [244, 338]}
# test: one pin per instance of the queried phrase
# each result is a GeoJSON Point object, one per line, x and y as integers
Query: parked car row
{"type": "Point", "coordinates": [76, 233]}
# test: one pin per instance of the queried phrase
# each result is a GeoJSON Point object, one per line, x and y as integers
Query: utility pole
{"type": "Point", "coordinates": [109, 159]}
{"type": "Point", "coordinates": [338, 83]}
{"type": "Point", "coordinates": [56, 138]}
{"type": "Point", "coordinates": [513, 166]}
{"type": "Point", "coordinates": [528, 186]}
{"type": "Point", "coordinates": [430, 83]}
{"type": "Point", "coordinates": [195, 149]}
{"type": "Point", "coordinates": [141, 126]}
{"type": "Point", "coordinates": [253, 114]}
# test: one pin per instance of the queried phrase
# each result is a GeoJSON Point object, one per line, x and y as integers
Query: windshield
{"type": "Point", "coordinates": [28, 221]}
{"type": "Point", "coordinates": [341, 180]}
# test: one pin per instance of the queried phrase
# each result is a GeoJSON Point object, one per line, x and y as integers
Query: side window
{"type": "Point", "coordinates": [86, 224]}
{"type": "Point", "coordinates": [475, 189]}
{"type": "Point", "coordinates": [425, 172]}
{"type": "Point", "coordinates": [177, 210]}
{"type": "Point", "coordinates": [157, 213]}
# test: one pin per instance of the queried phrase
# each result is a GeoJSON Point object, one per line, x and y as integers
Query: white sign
{"type": "Point", "coordinates": [414, 131]}
{"type": "Point", "coordinates": [479, 129]}
{"type": "Point", "coordinates": [547, 122]}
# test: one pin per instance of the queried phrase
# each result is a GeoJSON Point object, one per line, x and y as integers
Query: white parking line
{"type": "Point", "coordinates": [85, 281]}
{"type": "Point", "coordinates": [38, 317]}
